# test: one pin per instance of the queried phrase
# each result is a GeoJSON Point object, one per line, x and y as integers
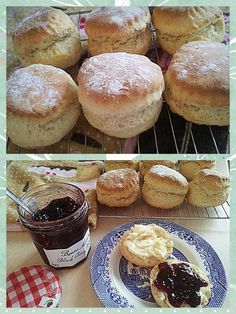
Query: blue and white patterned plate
{"type": "Point", "coordinates": [119, 283]}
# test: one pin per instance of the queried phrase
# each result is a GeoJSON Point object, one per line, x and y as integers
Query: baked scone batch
{"type": "Point", "coordinates": [119, 89]}
{"type": "Point", "coordinates": [173, 283]}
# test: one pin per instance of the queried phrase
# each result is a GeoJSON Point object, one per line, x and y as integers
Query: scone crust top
{"type": "Point", "coordinates": [41, 29]}
{"type": "Point", "coordinates": [184, 20]}
{"type": "Point", "coordinates": [118, 180]}
{"type": "Point", "coordinates": [40, 92]}
{"type": "Point", "coordinates": [166, 179]}
{"type": "Point", "coordinates": [117, 22]}
{"type": "Point", "coordinates": [201, 163]}
{"type": "Point", "coordinates": [118, 80]}
{"type": "Point", "coordinates": [212, 180]}
{"type": "Point", "coordinates": [199, 73]}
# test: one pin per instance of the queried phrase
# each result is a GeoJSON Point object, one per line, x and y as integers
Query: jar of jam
{"type": "Point", "coordinates": [59, 225]}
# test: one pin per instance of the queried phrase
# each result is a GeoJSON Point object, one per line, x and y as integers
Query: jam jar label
{"type": "Point", "coordinates": [71, 255]}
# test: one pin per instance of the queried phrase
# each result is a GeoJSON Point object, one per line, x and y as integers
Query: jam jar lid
{"type": "Point", "coordinates": [33, 286]}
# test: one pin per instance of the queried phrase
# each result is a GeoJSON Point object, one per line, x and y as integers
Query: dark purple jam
{"type": "Point", "coordinates": [57, 209]}
{"type": "Point", "coordinates": [181, 283]}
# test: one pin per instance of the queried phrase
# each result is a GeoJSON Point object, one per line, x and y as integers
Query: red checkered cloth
{"type": "Point", "coordinates": [33, 286]}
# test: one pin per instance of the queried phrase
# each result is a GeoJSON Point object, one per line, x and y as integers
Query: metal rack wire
{"type": "Point", "coordinates": [171, 134]}
{"type": "Point", "coordinates": [185, 211]}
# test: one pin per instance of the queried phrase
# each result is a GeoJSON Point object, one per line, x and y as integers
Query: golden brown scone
{"type": "Point", "coordinates": [197, 83]}
{"type": "Point", "coordinates": [164, 187]}
{"type": "Point", "coordinates": [48, 36]}
{"type": "Point", "coordinates": [161, 297]}
{"type": "Point", "coordinates": [91, 197]}
{"type": "Point", "coordinates": [146, 245]}
{"type": "Point", "coordinates": [188, 168]}
{"type": "Point", "coordinates": [176, 26]}
{"type": "Point", "coordinates": [120, 164]}
{"type": "Point", "coordinates": [42, 105]}
{"type": "Point", "coordinates": [146, 165]}
{"type": "Point", "coordinates": [118, 29]}
{"type": "Point", "coordinates": [118, 188]}
{"type": "Point", "coordinates": [208, 188]}
{"type": "Point", "coordinates": [120, 93]}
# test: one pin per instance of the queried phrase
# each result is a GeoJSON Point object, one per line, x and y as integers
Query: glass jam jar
{"type": "Point", "coordinates": [63, 241]}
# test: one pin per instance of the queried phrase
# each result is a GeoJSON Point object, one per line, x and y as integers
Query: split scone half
{"type": "Point", "coordinates": [146, 245]}
{"type": "Point", "coordinates": [176, 283]}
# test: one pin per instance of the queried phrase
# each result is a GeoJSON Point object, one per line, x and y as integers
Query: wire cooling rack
{"type": "Point", "coordinates": [185, 211]}
{"type": "Point", "coordinates": [171, 133]}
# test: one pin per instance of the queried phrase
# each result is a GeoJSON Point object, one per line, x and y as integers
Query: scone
{"type": "Point", "coordinates": [176, 26]}
{"type": "Point", "coordinates": [146, 165]}
{"type": "Point", "coordinates": [146, 245]}
{"type": "Point", "coordinates": [164, 187]}
{"type": "Point", "coordinates": [42, 105]}
{"type": "Point", "coordinates": [120, 164]}
{"type": "Point", "coordinates": [179, 284]}
{"type": "Point", "coordinates": [48, 36]}
{"type": "Point", "coordinates": [197, 83]}
{"type": "Point", "coordinates": [118, 188]}
{"type": "Point", "coordinates": [208, 188]}
{"type": "Point", "coordinates": [188, 168]}
{"type": "Point", "coordinates": [118, 29]}
{"type": "Point", "coordinates": [120, 93]}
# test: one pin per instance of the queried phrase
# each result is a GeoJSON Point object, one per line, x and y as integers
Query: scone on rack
{"type": "Point", "coordinates": [176, 283]}
{"type": "Point", "coordinates": [118, 188]}
{"type": "Point", "coordinates": [42, 105]}
{"type": "Point", "coordinates": [146, 245]}
{"type": "Point", "coordinates": [188, 168]}
{"type": "Point", "coordinates": [208, 188]}
{"type": "Point", "coordinates": [197, 83]}
{"type": "Point", "coordinates": [120, 93]}
{"type": "Point", "coordinates": [120, 164]}
{"type": "Point", "coordinates": [118, 29]}
{"type": "Point", "coordinates": [164, 187]}
{"type": "Point", "coordinates": [146, 165]}
{"type": "Point", "coordinates": [176, 26]}
{"type": "Point", "coordinates": [48, 36]}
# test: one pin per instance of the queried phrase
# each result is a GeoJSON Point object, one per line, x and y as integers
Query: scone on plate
{"type": "Point", "coordinates": [117, 29]}
{"type": "Point", "coordinates": [146, 165]}
{"type": "Point", "coordinates": [118, 188]}
{"type": "Point", "coordinates": [208, 188]}
{"type": "Point", "coordinates": [176, 283]}
{"type": "Point", "coordinates": [146, 245]}
{"type": "Point", "coordinates": [188, 168]}
{"type": "Point", "coordinates": [164, 187]}
{"type": "Point", "coordinates": [176, 26]}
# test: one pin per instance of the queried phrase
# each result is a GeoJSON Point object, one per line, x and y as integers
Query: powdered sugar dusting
{"type": "Point", "coordinates": [201, 60]}
{"type": "Point", "coordinates": [34, 89]}
{"type": "Point", "coordinates": [113, 74]}
{"type": "Point", "coordinates": [118, 16]}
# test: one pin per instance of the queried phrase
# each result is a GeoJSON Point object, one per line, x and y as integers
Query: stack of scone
{"type": "Point", "coordinates": [173, 283]}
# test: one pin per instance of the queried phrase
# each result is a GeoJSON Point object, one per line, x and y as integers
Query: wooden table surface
{"type": "Point", "coordinates": [76, 282]}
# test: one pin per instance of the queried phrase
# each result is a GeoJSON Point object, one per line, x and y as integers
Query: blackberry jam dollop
{"type": "Point", "coordinates": [57, 209]}
{"type": "Point", "coordinates": [181, 283]}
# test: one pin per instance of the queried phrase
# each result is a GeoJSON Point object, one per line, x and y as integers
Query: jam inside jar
{"type": "Point", "coordinates": [59, 227]}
